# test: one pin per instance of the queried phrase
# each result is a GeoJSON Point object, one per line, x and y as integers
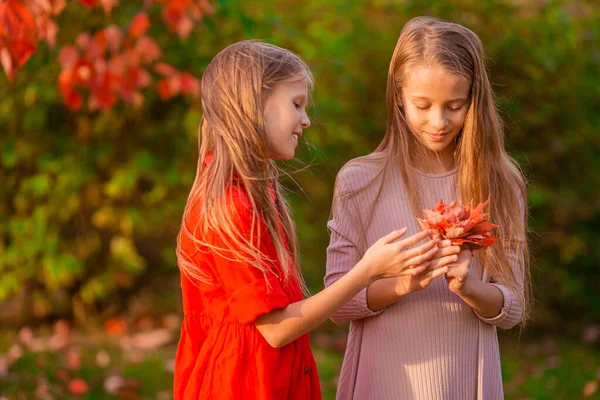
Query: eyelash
{"type": "Point", "coordinates": [451, 108]}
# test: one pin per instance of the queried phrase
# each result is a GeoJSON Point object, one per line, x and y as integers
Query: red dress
{"type": "Point", "coordinates": [221, 354]}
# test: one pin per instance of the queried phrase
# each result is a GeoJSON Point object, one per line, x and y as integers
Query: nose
{"type": "Point", "coordinates": [305, 121]}
{"type": "Point", "coordinates": [438, 120]}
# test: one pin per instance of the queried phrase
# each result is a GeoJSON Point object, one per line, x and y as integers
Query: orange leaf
{"type": "Point", "coordinates": [139, 25]}
{"type": "Point", "coordinates": [463, 225]}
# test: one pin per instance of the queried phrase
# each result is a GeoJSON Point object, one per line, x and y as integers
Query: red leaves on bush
{"type": "Point", "coordinates": [182, 15]}
{"type": "Point", "coordinates": [139, 24]}
{"type": "Point", "coordinates": [464, 225]}
{"type": "Point", "coordinates": [111, 65]}
{"type": "Point", "coordinates": [106, 4]}
{"type": "Point", "coordinates": [175, 82]}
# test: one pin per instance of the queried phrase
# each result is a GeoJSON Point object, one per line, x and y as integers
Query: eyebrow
{"type": "Point", "coordinates": [449, 101]}
{"type": "Point", "coordinates": [301, 96]}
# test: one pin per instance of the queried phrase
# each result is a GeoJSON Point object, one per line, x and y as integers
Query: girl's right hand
{"type": "Point", "coordinates": [388, 258]}
{"type": "Point", "coordinates": [446, 254]}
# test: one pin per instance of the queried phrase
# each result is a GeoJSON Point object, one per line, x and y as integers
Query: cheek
{"type": "Point", "coordinates": [414, 118]}
{"type": "Point", "coordinates": [458, 120]}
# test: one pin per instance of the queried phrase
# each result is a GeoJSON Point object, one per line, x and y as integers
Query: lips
{"type": "Point", "coordinates": [437, 137]}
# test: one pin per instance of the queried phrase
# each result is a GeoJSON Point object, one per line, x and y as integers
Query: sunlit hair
{"type": "Point", "coordinates": [234, 90]}
{"type": "Point", "coordinates": [484, 167]}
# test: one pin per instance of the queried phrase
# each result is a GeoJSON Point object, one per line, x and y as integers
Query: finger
{"type": "Point", "coordinates": [394, 235]}
{"type": "Point", "coordinates": [431, 275]}
{"type": "Point", "coordinates": [416, 270]}
{"type": "Point", "coordinates": [444, 261]}
{"type": "Point", "coordinates": [423, 248]}
{"type": "Point", "coordinates": [416, 238]}
{"type": "Point", "coordinates": [445, 243]}
{"type": "Point", "coordinates": [427, 256]}
{"type": "Point", "coordinates": [456, 273]}
{"type": "Point", "coordinates": [446, 251]}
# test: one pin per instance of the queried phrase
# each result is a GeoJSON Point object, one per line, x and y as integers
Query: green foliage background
{"type": "Point", "coordinates": [92, 201]}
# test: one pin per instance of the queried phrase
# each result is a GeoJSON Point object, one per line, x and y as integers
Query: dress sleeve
{"type": "Point", "coordinates": [250, 291]}
{"type": "Point", "coordinates": [343, 252]}
{"type": "Point", "coordinates": [512, 310]}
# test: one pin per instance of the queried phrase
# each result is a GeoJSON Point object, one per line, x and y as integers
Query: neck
{"type": "Point", "coordinates": [432, 162]}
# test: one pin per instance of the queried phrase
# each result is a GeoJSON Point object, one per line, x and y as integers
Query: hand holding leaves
{"type": "Point", "coordinates": [463, 225]}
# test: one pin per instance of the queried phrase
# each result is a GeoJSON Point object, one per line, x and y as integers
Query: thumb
{"type": "Point", "coordinates": [394, 235]}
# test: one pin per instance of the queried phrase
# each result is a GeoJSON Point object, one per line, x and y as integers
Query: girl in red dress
{"type": "Point", "coordinates": [244, 334]}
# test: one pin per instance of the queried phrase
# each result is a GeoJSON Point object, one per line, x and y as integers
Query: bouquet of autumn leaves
{"type": "Point", "coordinates": [463, 225]}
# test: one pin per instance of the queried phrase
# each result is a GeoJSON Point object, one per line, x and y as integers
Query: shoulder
{"type": "Point", "coordinates": [233, 204]}
{"type": "Point", "coordinates": [359, 172]}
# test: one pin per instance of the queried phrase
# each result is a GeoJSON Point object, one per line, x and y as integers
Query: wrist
{"type": "Point", "coordinates": [468, 287]}
{"type": "Point", "coordinates": [400, 287]}
{"type": "Point", "coordinates": [364, 270]}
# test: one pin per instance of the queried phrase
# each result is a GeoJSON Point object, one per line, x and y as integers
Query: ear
{"type": "Point", "coordinates": [399, 98]}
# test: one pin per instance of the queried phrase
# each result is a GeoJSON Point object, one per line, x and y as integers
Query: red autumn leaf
{"type": "Point", "coordinates": [139, 24]}
{"type": "Point", "coordinates": [78, 386]}
{"type": "Point", "coordinates": [115, 326]}
{"type": "Point", "coordinates": [108, 4]}
{"type": "Point", "coordinates": [73, 360]}
{"type": "Point", "coordinates": [190, 84]}
{"type": "Point", "coordinates": [164, 89]}
{"type": "Point", "coordinates": [464, 225]}
{"type": "Point", "coordinates": [62, 374]}
{"type": "Point", "coordinates": [89, 3]}
{"type": "Point", "coordinates": [18, 35]}
{"type": "Point", "coordinates": [182, 15]}
{"type": "Point", "coordinates": [164, 69]}
{"type": "Point", "coordinates": [114, 38]}
{"type": "Point", "coordinates": [145, 51]}
{"type": "Point", "coordinates": [68, 57]}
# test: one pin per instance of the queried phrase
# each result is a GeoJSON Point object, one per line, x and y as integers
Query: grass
{"type": "Point", "coordinates": [545, 368]}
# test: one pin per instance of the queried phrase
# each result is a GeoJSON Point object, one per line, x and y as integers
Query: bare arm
{"type": "Point", "coordinates": [383, 259]}
{"type": "Point", "coordinates": [484, 298]}
{"type": "Point", "coordinates": [283, 326]}
{"type": "Point", "coordinates": [385, 292]}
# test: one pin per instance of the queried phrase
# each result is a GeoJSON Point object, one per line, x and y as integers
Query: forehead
{"type": "Point", "coordinates": [293, 87]}
{"type": "Point", "coordinates": [435, 83]}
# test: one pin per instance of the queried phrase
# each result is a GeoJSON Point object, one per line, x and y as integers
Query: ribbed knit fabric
{"type": "Point", "coordinates": [429, 345]}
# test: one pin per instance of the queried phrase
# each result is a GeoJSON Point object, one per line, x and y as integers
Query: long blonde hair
{"type": "Point", "coordinates": [484, 167]}
{"type": "Point", "coordinates": [234, 89]}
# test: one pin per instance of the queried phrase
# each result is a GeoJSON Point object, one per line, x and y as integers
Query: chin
{"type": "Point", "coordinates": [285, 157]}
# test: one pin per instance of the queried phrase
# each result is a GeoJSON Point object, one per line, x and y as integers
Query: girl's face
{"type": "Point", "coordinates": [285, 117]}
{"type": "Point", "coordinates": [435, 104]}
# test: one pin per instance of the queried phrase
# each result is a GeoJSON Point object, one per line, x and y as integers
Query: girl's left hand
{"type": "Point", "coordinates": [458, 273]}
